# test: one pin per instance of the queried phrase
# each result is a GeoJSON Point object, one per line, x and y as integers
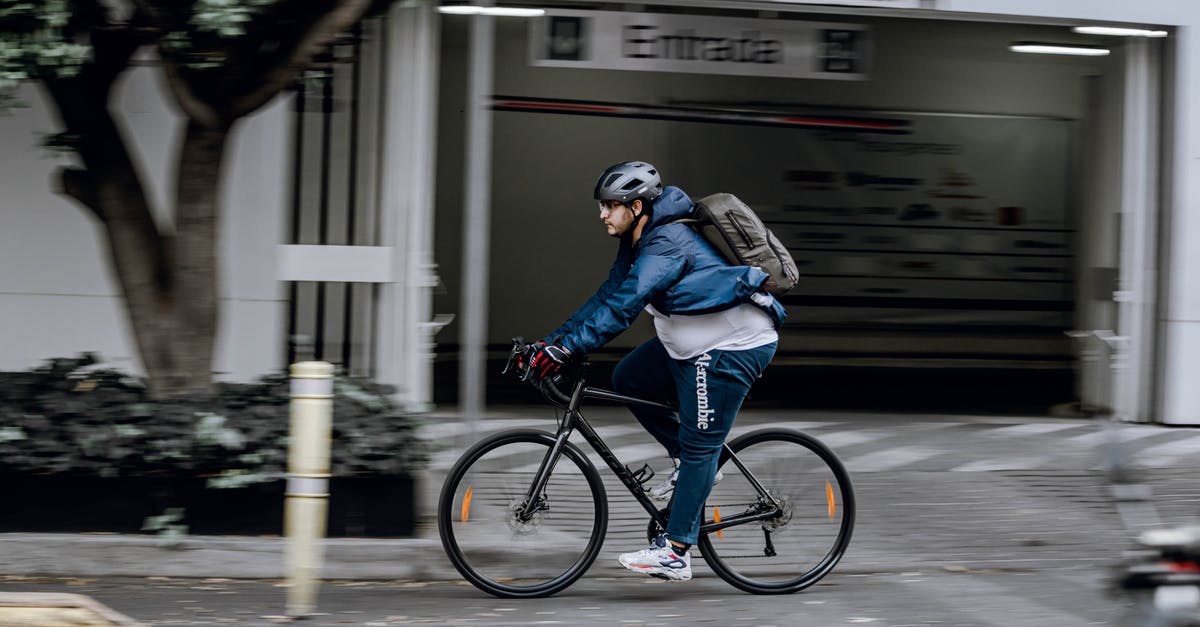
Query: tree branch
{"type": "Point", "coordinates": [108, 184]}
{"type": "Point", "coordinates": [77, 97]}
{"type": "Point", "coordinates": [199, 109]}
{"type": "Point", "coordinates": [196, 107]}
{"type": "Point", "coordinates": [262, 63]}
{"type": "Point", "coordinates": [77, 183]}
{"type": "Point", "coordinates": [114, 45]}
{"type": "Point", "coordinates": [298, 54]}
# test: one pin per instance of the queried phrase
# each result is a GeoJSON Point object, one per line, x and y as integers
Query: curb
{"type": "Point", "coordinates": [50, 609]}
{"type": "Point", "coordinates": [96, 555]}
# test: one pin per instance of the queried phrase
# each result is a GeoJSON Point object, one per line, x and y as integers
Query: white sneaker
{"type": "Point", "coordinates": [659, 560]}
{"type": "Point", "coordinates": [665, 490]}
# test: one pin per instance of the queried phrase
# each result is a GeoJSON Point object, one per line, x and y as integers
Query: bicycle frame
{"type": "Point", "coordinates": [574, 420]}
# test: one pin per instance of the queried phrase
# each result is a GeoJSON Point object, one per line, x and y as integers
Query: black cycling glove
{"type": "Point", "coordinates": [548, 360]}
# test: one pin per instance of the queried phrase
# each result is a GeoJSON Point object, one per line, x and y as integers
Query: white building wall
{"type": "Point", "coordinates": [257, 180]}
{"type": "Point", "coordinates": [58, 296]}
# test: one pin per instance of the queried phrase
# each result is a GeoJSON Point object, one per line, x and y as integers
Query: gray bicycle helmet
{"type": "Point", "coordinates": [628, 180]}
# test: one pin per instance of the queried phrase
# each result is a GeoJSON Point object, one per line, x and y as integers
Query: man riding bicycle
{"type": "Point", "coordinates": [716, 330]}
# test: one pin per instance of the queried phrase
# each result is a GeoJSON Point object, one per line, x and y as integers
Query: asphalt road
{"type": "Point", "coordinates": [1060, 597]}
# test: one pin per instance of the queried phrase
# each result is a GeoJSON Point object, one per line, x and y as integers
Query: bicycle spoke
{"type": "Point", "coordinates": [509, 545]}
{"type": "Point", "coordinates": [810, 514]}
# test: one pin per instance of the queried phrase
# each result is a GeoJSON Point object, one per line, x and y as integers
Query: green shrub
{"type": "Point", "coordinates": [69, 416]}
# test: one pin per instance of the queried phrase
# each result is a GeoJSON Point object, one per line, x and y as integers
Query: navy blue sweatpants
{"type": "Point", "coordinates": [710, 389]}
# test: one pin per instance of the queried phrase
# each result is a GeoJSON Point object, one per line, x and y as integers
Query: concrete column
{"type": "Point", "coordinates": [1136, 292]}
{"type": "Point", "coordinates": [477, 221]}
{"type": "Point", "coordinates": [405, 348]}
{"type": "Point", "coordinates": [1097, 224]}
{"type": "Point", "coordinates": [1180, 322]}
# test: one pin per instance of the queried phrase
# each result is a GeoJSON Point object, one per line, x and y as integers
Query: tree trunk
{"type": "Point", "coordinates": [195, 270]}
{"type": "Point", "coordinates": [169, 282]}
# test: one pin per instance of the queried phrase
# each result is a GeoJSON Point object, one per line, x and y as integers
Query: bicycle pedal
{"type": "Point", "coordinates": [642, 475]}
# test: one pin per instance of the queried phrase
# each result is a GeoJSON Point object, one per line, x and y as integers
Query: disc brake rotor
{"type": "Point", "coordinates": [525, 527]}
{"type": "Point", "coordinates": [781, 521]}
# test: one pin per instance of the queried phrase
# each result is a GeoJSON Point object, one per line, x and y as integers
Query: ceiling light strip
{"type": "Point", "coordinates": [1044, 48]}
{"type": "Point", "coordinates": [468, 9]}
{"type": "Point", "coordinates": [1119, 32]}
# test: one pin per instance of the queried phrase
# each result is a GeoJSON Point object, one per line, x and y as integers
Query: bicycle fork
{"type": "Point", "coordinates": [534, 501]}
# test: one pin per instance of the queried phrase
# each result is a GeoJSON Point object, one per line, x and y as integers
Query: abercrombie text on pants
{"type": "Point", "coordinates": [703, 413]}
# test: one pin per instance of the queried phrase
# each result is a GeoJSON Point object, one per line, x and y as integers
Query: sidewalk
{"type": "Point", "coordinates": [95, 555]}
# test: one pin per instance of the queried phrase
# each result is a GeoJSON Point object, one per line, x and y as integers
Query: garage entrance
{"type": "Point", "coordinates": [952, 204]}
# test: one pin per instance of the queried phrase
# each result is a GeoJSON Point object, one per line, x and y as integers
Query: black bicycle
{"type": "Point", "coordinates": [524, 513]}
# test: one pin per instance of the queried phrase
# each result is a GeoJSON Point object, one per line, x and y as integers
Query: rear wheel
{"type": "Point", "coordinates": [503, 551]}
{"type": "Point", "coordinates": [812, 502]}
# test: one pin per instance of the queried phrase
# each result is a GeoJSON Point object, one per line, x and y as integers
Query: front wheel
{"type": "Point", "coordinates": [811, 506]}
{"type": "Point", "coordinates": [505, 547]}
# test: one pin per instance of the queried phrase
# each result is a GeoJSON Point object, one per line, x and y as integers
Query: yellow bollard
{"type": "Point", "coordinates": [307, 504]}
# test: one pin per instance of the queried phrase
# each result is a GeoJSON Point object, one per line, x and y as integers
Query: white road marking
{"type": "Point", "coordinates": [1123, 433]}
{"type": "Point", "coordinates": [1163, 455]}
{"type": "Point", "coordinates": [837, 439]}
{"type": "Point", "coordinates": [1004, 463]}
{"type": "Point", "coordinates": [1033, 428]}
{"type": "Point", "coordinates": [888, 459]}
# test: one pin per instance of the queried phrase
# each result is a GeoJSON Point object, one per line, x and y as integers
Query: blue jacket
{"type": "Point", "coordinates": [671, 267]}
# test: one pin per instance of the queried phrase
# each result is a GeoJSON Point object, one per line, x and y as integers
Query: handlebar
{"type": "Point", "coordinates": [556, 389]}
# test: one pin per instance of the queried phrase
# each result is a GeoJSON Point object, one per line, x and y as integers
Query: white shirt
{"type": "Point", "coordinates": [740, 328]}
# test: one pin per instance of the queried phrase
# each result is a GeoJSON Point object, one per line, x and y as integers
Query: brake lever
{"type": "Point", "coordinates": [518, 345]}
{"type": "Point", "coordinates": [526, 372]}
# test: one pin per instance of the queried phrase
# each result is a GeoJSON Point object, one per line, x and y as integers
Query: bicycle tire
{"type": "Point", "coordinates": [808, 539]}
{"type": "Point", "coordinates": [498, 553]}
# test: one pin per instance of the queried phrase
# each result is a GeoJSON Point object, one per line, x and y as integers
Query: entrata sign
{"type": "Point", "coordinates": [707, 45]}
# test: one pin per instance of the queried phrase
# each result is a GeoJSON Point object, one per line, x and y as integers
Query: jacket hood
{"type": "Point", "coordinates": [672, 205]}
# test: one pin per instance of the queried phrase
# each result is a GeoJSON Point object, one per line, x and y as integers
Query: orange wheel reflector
{"type": "Point", "coordinates": [466, 506]}
{"type": "Point", "coordinates": [830, 500]}
{"type": "Point", "coordinates": [717, 518]}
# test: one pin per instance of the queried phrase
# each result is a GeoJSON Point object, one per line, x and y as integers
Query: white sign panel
{"type": "Point", "coordinates": [699, 44]}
